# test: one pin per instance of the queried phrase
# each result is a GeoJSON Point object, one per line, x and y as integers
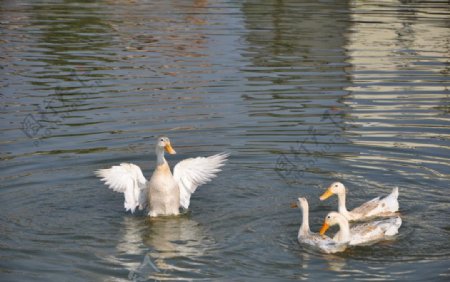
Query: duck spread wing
{"type": "Point", "coordinates": [126, 178]}
{"type": "Point", "coordinates": [193, 172]}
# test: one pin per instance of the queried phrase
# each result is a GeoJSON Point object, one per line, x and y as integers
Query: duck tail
{"type": "Point", "coordinates": [394, 193]}
{"type": "Point", "coordinates": [394, 226]}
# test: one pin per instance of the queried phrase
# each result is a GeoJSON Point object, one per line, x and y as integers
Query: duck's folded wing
{"type": "Point", "coordinates": [379, 206]}
{"type": "Point", "coordinates": [193, 172]}
{"type": "Point", "coordinates": [368, 207]}
{"type": "Point", "coordinates": [128, 179]}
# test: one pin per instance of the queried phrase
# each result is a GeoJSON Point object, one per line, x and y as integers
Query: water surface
{"type": "Point", "coordinates": [300, 93]}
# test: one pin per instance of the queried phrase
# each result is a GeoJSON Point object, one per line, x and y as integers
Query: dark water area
{"type": "Point", "coordinates": [300, 93]}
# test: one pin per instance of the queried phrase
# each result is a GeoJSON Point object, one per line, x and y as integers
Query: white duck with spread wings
{"type": "Point", "coordinates": [165, 192]}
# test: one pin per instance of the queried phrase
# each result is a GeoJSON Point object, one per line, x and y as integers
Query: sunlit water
{"type": "Point", "coordinates": [301, 93]}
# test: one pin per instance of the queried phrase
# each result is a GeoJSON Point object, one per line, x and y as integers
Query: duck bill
{"type": "Point", "coordinates": [294, 205]}
{"type": "Point", "coordinates": [324, 228]}
{"type": "Point", "coordinates": [169, 149]}
{"type": "Point", "coordinates": [326, 195]}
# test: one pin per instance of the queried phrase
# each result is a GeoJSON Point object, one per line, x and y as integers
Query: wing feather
{"type": "Point", "coordinates": [193, 172]}
{"type": "Point", "coordinates": [126, 178]}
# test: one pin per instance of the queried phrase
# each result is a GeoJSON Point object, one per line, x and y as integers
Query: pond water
{"type": "Point", "coordinates": [300, 93]}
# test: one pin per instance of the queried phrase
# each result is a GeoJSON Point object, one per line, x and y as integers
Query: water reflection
{"type": "Point", "coordinates": [297, 73]}
{"type": "Point", "coordinates": [179, 36]}
{"type": "Point", "coordinates": [399, 98]}
{"type": "Point", "coordinates": [335, 263]}
{"type": "Point", "coordinates": [131, 242]}
{"type": "Point", "coordinates": [163, 247]}
{"type": "Point", "coordinates": [177, 236]}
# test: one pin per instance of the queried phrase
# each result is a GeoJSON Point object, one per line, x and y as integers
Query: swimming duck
{"type": "Point", "coordinates": [376, 207]}
{"type": "Point", "coordinates": [305, 236]}
{"type": "Point", "coordinates": [361, 234]}
{"type": "Point", "coordinates": [165, 192]}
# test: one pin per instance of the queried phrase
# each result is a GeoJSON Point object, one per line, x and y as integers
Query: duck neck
{"type": "Point", "coordinates": [341, 203]}
{"type": "Point", "coordinates": [344, 230]}
{"type": "Point", "coordinates": [160, 160]}
{"type": "Point", "coordinates": [304, 228]}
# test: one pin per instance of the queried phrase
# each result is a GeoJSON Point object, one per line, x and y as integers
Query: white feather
{"type": "Point", "coordinates": [193, 172]}
{"type": "Point", "coordinates": [128, 179]}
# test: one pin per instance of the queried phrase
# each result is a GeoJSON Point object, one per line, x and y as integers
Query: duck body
{"type": "Point", "coordinates": [323, 244]}
{"type": "Point", "coordinates": [377, 207]}
{"type": "Point", "coordinates": [364, 233]}
{"type": "Point", "coordinates": [165, 193]}
{"type": "Point", "coordinates": [315, 240]}
{"type": "Point", "coordinates": [372, 232]}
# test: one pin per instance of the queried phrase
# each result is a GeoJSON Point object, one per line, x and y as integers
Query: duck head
{"type": "Point", "coordinates": [334, 188]}
{"type": "Point", "coordinates": [163, 144]}
{"type": "Point", "coordinates": [331, 219]}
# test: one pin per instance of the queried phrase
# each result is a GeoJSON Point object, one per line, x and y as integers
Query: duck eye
{"type": "Point", "coordinates": [328, 216]}
{"type": "Point", "coordinates": [162, 140]}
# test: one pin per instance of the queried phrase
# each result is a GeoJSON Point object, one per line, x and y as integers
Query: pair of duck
{"type": "Point", "coordinates": [365, 233]}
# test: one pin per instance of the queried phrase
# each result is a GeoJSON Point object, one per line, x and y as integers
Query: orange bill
{"type": "Point", "coordinates": [294, 205]}
{"type": "Point", "coordinates": [169, 149]}
{"type": "Point", "coordinates": [326, 195]}
{"type": "Point", "coordinates": [324, 228]}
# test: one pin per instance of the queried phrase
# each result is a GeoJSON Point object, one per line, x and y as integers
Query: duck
{"type": "Point", "coordinates": [377, 207]}
{"type": "Point", "coordinates": [164, 193]}
{"type": "Point", "coordinates": [361, 234]}
{"type": "Point", "coordinates": [315, 240]}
